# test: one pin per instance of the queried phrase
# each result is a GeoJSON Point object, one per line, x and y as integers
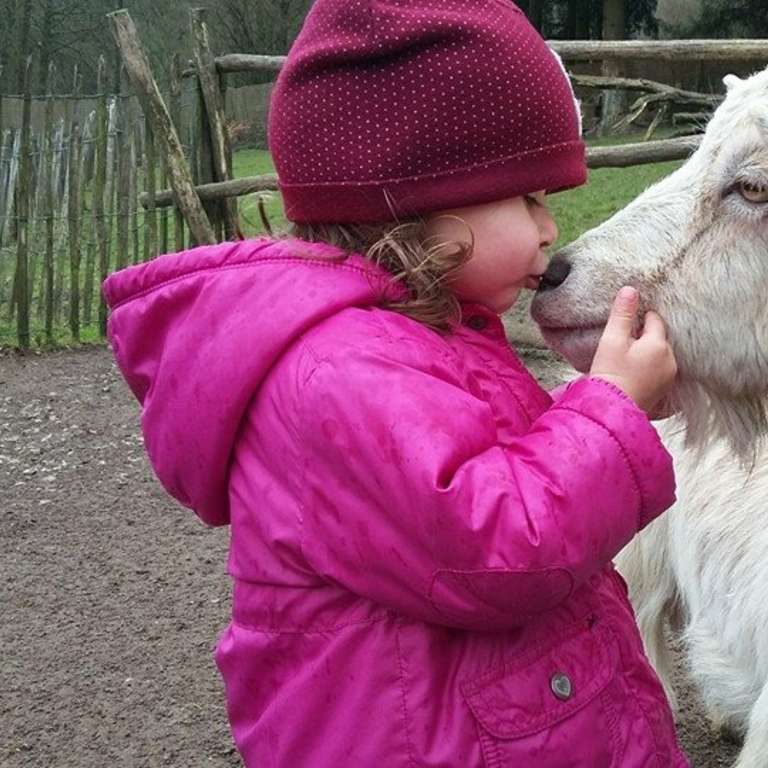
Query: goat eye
{"type": "Point", "coordinates": [753, 193]}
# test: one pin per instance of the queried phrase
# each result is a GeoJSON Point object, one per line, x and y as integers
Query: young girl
{"type": "Point", "coordinates": [421, 539]}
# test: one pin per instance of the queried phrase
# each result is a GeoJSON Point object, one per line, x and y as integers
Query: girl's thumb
{"type": "Point", "coordinates": [623, 312]}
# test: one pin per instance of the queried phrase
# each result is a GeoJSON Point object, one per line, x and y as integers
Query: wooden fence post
{"type": "Point", "coordinates": [123, 151]}
{"type": "Point", "coordinates": [178, 242]}
{"type": "Point", "coordinates": [22, 251]}
{"type": "Point", "coordinates": [65, 150]}
{"type": "Point", "coordinates": [2, 180]}
{"type": "Point", "coordinates": [230, 155]}
{"type": "Point", "coordinates": [89, 278]}
{"type": "Point", "coordinates": [150, 186]}
{"type": "Point", "coordinates": [204, 160]}
{"type": "Point", "coordinates": [154, 107]}
{"type": "Point", "coordinates": [113, 163]}
{"type": "Point", "coordinates": [99, 186]}
{"type": "Point", "coordinates": [36, 172]}
{"type": "Point", "coordinates": [2, 127]}
{"type": "Point", "coordinates": [205, 64]}
{"type": "Point", "coordinates": [74, 225]}
{"type": "Point", "coordinates": [133, 184]}
{"type": "Point", "coordinates": [48, 198]}
{"type": "Point", "coordinates": [163, 245]}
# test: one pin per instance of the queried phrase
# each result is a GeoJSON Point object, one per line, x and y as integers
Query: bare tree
{"type": "Point", "coordinates": [536, 13]}
{"type": "Point", "coordinates": [260, 26]}
{"type": "Point", "coordinates": [614, 28]}
{"type": "Point", "coordinates": [578, 20]}
{"type": "Point", "coordinates": [75, 32]}
{"type": "Point", "coordinates": [23, 21]}
{"type": "Point", "coordinates": [713, 18]}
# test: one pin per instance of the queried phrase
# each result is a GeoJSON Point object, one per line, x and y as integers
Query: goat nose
{"type": "Point", "coordinates": [557, 271]}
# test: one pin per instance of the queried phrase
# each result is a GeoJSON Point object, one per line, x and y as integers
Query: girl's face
{"type": "Point", "coordinates": [509, 241]}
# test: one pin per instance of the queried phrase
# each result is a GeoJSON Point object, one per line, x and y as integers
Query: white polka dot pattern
{"type": "Point", "coordinates": [420, 102]}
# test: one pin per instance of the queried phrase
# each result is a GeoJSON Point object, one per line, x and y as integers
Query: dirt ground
{"type": "Point", "coordinates": [112, 595]}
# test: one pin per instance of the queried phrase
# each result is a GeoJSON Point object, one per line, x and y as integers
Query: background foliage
{"type": "Point", "coordinates": [76, 32]}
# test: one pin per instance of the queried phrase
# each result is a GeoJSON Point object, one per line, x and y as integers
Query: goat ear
{"type": "Point", "coordinates": [731, 81]}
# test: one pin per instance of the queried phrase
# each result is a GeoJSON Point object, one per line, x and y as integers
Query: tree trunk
{"type": "Point", "coordinates": [596, 19]}
{"type": "Point", "coordinates": [614, 19]}
{"type": "Point", "coordinates": [285, 13]}
{"type": "Point", "coordinates": [614, 28]}
{"type": "Point", "coordinates": [46, 45]}
{"type": "Point", "coordinates": [577, 20]}
{"type": "Point", "coordinates": [536, 13]}
{"type": "Point", "coordinates": [24, 18]}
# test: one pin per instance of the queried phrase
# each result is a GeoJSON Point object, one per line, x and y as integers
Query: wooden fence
{"type": "Point", "coordinates": [71, 175]}
{"type": "Point", "coordinates": [113, 179]}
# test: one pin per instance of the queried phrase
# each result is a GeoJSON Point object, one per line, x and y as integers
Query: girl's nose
{"type": "Point", "coordinates": [547, 228]}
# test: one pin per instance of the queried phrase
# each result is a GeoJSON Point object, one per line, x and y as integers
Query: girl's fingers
{"type": "Point", "coordinates": [654, 326]}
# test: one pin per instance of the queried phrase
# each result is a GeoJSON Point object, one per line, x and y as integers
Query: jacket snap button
{"type": "Point", "coordinates": [477, 322]}
{"type": "Point", "coordinates": [561, 686]}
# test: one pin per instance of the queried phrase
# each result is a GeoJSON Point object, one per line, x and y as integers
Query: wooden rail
{"type": "Point", "coordinates": [572, 50]}
{"type": "Point", "coordinates": [643, 153]}
{"type": "Point", "coordinates": [220, 190]}
{"type": "Point", "coordinates": [670, 50]}
{"type": "Point", "coordinates": [243, 62]}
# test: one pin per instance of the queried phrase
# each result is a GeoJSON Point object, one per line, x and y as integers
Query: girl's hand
{"type": "Point", "coordinates": [644, 367]}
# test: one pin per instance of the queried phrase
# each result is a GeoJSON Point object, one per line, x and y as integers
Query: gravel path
{"type": "Point", "coordinates": [112, 595]}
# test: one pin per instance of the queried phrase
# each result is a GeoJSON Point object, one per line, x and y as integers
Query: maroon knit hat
{"type": "Point", "coordinates": [399, 107]}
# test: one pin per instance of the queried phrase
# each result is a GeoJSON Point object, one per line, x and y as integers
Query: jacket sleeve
{"type": "Point", "coordinates": [410, 500]}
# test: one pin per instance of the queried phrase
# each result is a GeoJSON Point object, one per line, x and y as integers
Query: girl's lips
{"type": "Point", "coordinates": [532, 282]}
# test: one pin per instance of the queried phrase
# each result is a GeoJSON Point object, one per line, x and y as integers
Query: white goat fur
{"type": "Point", "coordinates": [697, 249]}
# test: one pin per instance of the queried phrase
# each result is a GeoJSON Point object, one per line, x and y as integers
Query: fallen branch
{"type": "Point", "coordinates": [657, 118]}
{"type": "Point", "coordinates": [632, 116]}
{"type": "Point", "coordinates": [649, 86]}
{"type": "Point", "coordinates": [677, 98]}
{"type": "Point", "coordinates": [700, 118]}
{"type": "Point", "coordinates": [641, 104]}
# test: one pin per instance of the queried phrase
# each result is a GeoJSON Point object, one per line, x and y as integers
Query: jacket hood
{"type": "Point", "coordinates": [196, 333]}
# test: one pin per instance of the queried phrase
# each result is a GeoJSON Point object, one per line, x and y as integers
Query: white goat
{"type": "Point", "coordinates": [696, 246]}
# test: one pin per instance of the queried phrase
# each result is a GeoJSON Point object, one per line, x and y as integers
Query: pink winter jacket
{"type": "Point", "coordinates": [421, 540]}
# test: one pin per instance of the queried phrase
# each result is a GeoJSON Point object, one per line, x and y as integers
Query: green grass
{"type": "Point", "coordinates": [608, 190]}
{"type": "Point", "coordinates": [63, 339]}
{"type": "Point", "coordinates": [255, 162]}
{"type": "Point", "coordinates": [575, 211]}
